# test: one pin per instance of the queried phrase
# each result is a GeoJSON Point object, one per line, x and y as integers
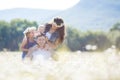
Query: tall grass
{"type": "Point", "coordinates": [66, 66]}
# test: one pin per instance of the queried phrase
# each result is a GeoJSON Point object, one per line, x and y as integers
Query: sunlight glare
{"type": "Point", "coordinates": [38, 4]}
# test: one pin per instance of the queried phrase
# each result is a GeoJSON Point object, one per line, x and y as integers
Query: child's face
{"type": "Point", "coordinates": [30, 34]}
{"type": "Point", "coordinates": [41, 29]}
{"type": "Point", "coordinates": [41, 40]}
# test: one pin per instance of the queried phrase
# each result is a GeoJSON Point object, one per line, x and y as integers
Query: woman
{"type": "Point", "coordinates": [28, 41]}
{"type": "Point", "coordinates": [55, 32]}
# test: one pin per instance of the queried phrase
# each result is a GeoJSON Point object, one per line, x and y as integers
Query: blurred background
{"type": "Point", "coordinates": [91, 50]}
{"type": "Point", "coordinates": [95, 23]}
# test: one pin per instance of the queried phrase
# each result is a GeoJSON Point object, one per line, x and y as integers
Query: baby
{"type": "Point", "coordinates": [39, 31]}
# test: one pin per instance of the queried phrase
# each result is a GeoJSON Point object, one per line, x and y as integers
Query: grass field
{"type": "Point", "coordinates": [67, 66]}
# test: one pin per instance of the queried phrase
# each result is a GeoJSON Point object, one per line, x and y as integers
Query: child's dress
{"type": "Point", "coordinates": [41, 55]}
{"type": "Point", "coordinates": [27, 46]}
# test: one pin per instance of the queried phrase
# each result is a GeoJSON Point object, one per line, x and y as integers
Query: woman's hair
{"type": "Point", "coordinates": [61, 29]}
{"type": "Point", "coordinates": [61, 32]}
{"type": "Point", "coordinates": [58, 21]}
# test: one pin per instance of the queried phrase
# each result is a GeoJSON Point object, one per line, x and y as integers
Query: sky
{"type": "Point", "coordinates": [38, 4]}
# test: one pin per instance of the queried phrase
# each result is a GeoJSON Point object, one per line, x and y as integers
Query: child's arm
{"type": "Point", "coordinates": [31, 50]}
{"type": "Point", "coordinates": [24, 42]}
{"type": "Point", "coordinates": [47, 47]}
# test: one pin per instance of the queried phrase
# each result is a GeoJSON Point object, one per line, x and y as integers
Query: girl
{"type": "Point", "coordinates": [28, 41]}
{"type": "Point", "coordinates": [40, 48]}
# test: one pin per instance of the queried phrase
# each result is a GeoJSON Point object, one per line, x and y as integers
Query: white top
{"type": "Point", "coordinates": [48, 35]}
{"type": "Point", "coordinates": [41, 53]}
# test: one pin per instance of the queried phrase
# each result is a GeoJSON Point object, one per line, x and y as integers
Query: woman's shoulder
{"type": "Point", "coordinates": [48, 25]}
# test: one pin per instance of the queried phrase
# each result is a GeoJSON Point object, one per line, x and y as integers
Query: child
{"type": "Point", "coordinates": [28, 41]}
{"type": "Point", "coordinates": [41, 44]}
{"type": "Point", "coordinates": [41, 29]}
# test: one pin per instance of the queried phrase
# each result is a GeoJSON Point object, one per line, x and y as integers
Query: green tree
{"type": "Point", "coordinates": [98, 38]}
{"type": "Point", "coordinates": [75, 39]}
{"type": "Point", "coordinates": [4, 34]}
{"type": "Point", "coordinates": [11, 33]}
{"type": "Point", "coordinates": [114, 35]}
{"type": "Point", "coordinates": [117, 44]}
{"type": "Point", "coordinates": [103, 42]}
{"type": "Point", "coordinates": [115, 27]}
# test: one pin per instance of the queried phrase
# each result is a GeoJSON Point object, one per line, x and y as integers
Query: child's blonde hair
{"type": "Point", "coordinates": [29, 29]}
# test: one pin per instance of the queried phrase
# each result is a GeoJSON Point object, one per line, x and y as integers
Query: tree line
{"type": "Point", "coordinates": [77, 40]}
{"type": "Point", "coordinates": [11, 34]}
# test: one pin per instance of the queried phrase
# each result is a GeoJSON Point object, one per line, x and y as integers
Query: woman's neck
{"type": "Point", "coordinates": [52, 30]}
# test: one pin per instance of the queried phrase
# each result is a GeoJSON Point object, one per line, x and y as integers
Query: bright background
{"type": "Point", "coordinates": [38, 4]}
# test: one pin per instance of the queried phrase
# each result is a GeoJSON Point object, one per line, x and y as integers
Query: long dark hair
{"type": "Point", "coordinates": [60, 30]}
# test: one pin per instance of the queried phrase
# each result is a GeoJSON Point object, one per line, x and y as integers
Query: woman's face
{"type": "Point", "coordinates": [54, 26]}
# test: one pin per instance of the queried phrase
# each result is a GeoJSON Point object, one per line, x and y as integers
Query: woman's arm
{"type": "Point", "coordinates": [24, 42]}
{"type": "Point", "coordinates": [52, 45]}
